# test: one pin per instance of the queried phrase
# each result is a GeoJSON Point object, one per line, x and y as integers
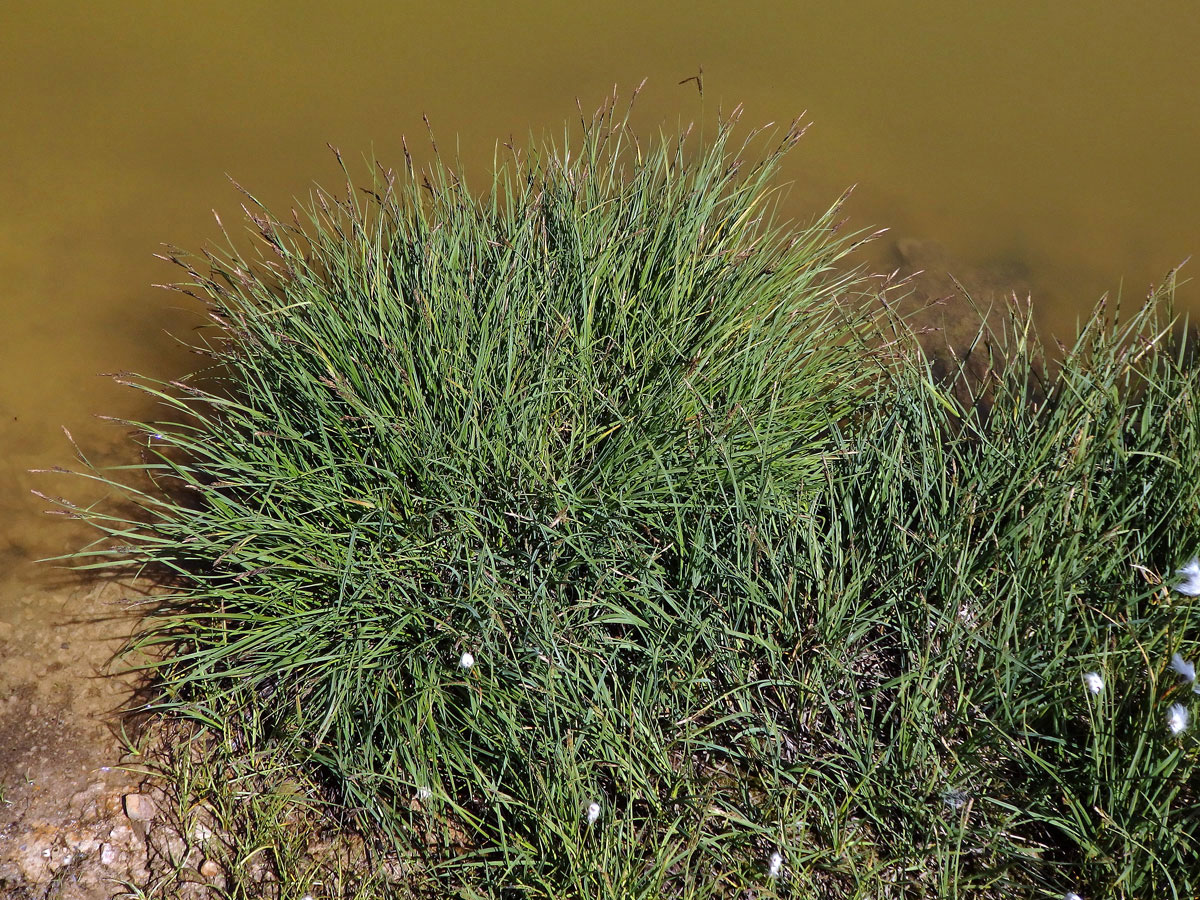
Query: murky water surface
{"type": "Point", "coordinates": [1057, 142]}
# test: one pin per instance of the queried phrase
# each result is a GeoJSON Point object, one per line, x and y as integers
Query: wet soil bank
{"type": "Point", "coordinates": [64, 771]}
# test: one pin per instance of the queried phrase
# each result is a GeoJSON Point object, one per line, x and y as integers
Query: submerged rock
{"type": "Point", "coordinates": [949, 296]}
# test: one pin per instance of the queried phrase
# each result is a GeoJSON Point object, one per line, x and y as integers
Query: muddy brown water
{"type": "Point", "coordinates": [1048, 147]}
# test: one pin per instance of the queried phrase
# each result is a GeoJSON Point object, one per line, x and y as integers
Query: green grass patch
{"type": "Point", "coordinates": [585, 542]}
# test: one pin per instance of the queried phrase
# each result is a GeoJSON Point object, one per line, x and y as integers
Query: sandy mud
{"type": "Point", "coordinates": [65, 771]}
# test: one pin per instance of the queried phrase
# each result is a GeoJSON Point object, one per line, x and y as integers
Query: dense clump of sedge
{"type": "Point", "coordinates": [729, 548]}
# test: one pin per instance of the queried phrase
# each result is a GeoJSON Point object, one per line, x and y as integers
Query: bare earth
{"type": "Point", "coordinates": [64, 832]}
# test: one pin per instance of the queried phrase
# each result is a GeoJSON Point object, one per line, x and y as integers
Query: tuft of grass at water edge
{"type": "Point", "coordinates": [582, 542]}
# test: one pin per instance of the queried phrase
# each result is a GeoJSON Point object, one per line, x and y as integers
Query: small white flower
{"type": "Point", "coordinates": [1071, 895]}
{"type": "Point", "coordinates": [466, 660]}
{"type": "Point", "coordinates": [1094, 682]}
{"type": "Point", "coordinates": [424, 793]}
{"type": "Point", "coordinates": [1189, 575]}
{"type": "Point", "coordinates": [1178, 718]}
{"type": "Point", "coordinates": [775, 865]}
{"type": "Point", "coordinates": [1186, 670]}
{"type": "Point", "coordinates": [593, 813]}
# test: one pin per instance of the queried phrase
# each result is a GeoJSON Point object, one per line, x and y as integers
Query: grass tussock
{"type": "Point", "coordinates": [587, 546]}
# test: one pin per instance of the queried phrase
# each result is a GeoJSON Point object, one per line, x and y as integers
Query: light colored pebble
{"type": "Point", "coordinates": [210, 869]}
{"type": "Point", "coordinates": [139, 807]}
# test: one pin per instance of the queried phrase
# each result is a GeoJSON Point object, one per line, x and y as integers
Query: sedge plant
{"type": "Point", "coordinates": [486, 506]}
{"type": "Point", "coordinates": [999, 612]}
{"type": "Point", "coordinates": [588, 543]}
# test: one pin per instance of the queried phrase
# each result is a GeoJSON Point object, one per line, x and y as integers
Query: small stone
{"type": "Point", "coordinates": [172, 846]}
{"type": "Point", "coordinates": [139, 807]}
{"type": "Point", "coordinates": [108, 854]}
{"type": "Point", "coordinates": [210, 869]}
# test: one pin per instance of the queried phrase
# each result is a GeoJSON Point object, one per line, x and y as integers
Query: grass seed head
{"type": "Point", "coordinates": [1189, 578]}
{"type": "Point", "coordinates": [775, 865]}
{"type": "Point", "coordinates": [1178, 719]}
{"type": "Point", "coordinates": [1185, 669]}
